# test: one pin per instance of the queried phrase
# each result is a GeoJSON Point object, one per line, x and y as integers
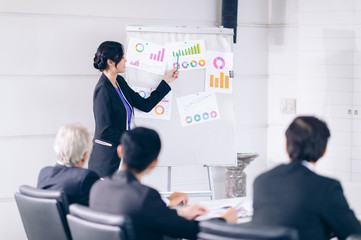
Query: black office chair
{"type": "Point", "coordinates": [354, 237]}
{"type": "Point", "coordinates": [216, 229]}
{"type": "Point", "coordinates": [88, 224]}
{"type": "Point", "coordinates": [43, 213]}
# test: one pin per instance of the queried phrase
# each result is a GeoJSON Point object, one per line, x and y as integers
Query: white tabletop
{"type": "Point", "coordinates": [216, 207]}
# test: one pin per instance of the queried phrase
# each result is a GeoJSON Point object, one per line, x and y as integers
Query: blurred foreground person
{"type": "Point", "coordinates": [293, 195]}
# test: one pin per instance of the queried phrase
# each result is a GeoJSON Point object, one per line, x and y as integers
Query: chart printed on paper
{"type": "Point", "coordinates": [219, 72]}
{"type": "Point", "coordinates": [198, 108]}
{"type": "Point", "coordinates": [191, 55]}
{"type": "Point", "coordinates": [163, 109]}
{"type": "Point", "coordinates": [147, 56]}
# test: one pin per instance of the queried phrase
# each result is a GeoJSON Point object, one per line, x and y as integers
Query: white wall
{"type": "Point", "coordinates": [282, 80]}
{"type": "Point", "coordinates": [251, 94]}
{"type": "Point", "coordinates": [326, 79]}
{"type": "Point", "coordinates": [314, 58]}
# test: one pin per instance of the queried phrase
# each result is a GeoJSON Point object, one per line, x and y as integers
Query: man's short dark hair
{"type": "Point", "coordinates": [307, 138]}
{"type": "Point", "coordinates": [141, 147]}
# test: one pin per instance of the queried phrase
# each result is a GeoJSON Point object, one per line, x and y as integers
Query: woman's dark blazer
{"type": "Point", "coordinates": [111, 120]}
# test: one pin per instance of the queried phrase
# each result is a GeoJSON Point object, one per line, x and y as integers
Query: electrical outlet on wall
{"type": "Point", "coordinates": [288, 105]}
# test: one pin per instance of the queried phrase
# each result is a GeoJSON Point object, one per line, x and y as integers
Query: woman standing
{"type": "Point", "coordinates": [113, 104]}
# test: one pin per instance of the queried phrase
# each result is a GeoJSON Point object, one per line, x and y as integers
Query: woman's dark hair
{"type": "Point", "coordinates": [307, 138]}
{"type": "Point", "coordinates": [108, 50]}
{"type": "Point", "coordinates": [141, 147]}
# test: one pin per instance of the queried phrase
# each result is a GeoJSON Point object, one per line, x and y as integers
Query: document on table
{"type": "Point", "coordinates": [217, 207]}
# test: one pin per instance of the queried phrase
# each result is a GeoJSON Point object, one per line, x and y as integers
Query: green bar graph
{"type": "Point", "coordinates": [188, 51]}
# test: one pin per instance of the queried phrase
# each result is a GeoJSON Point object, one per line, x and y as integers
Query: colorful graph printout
{"type": "Point", "coordinates": [146, 56]}
{"type": "Point", "coordinates": [191, 55]}
{"type": "Point", "coordinates": [198, 108]}
{"type": "Point", "coordinates": [219, 72]}
{"type": "Point", "coordinates": [161, 111]}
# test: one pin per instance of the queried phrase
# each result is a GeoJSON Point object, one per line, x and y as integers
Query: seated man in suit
{"type": "Point", "coordinates": [72, 147]}
{"type": "Point", "coordinates": [123, 193]}
{"type": "Point", "coordinates": [293, 195]}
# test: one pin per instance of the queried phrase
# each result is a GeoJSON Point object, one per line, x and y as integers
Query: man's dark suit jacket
{"type": "Point", "coordinates": [294, 196]}
{"type": "Point", "coordinates": [111, 120]}
{"type": "Point", "coordinates": [124, 194]}
{"type": "Point", "coordinates": [75, 182]}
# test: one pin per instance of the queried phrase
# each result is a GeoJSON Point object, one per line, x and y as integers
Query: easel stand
{"type": "Point", "coordinates": [209, 193]}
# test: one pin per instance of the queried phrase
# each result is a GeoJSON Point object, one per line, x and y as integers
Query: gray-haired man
{"type": "Point", "coordinates": [72, 147]}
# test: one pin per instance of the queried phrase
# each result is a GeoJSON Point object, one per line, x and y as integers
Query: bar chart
{"type": "Point", "coordinates": [158, 56]}
{"type": "Point", "coordinates": [136, 63]}
{"type": "Point", "coordinates": [196, 49]}
{"type": "Point", "coordinates": [219, 82]}
{"type": "Point", "coordinates": [147, 56]}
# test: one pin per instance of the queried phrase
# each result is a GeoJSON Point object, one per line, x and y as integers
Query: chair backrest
{"type": "Point", "coordinates": [43, 213]}
{"type": "Point", "coordinates": [354, 237]}
{"type": "Point", "coordinates": [219, 230]}
{"type": "Point", "coordinates": [88, 224]}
